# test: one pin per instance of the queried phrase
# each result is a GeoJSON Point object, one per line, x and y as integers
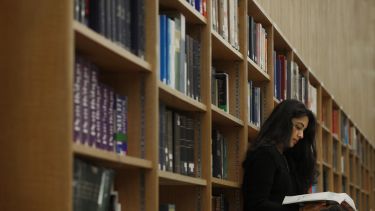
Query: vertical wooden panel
{"type": "Point", "coordinates": [36, 61]}
{"type": "Point", "coordinates": [151, 106]}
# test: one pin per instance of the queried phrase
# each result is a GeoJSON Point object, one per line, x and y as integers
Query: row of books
{"type": "Point", "coordinates": [225, 20]}
{"type": "Point", "coordinates": [100, 115]}
{"type": "Point", "coordinates": [220, 89]}
{"type": "Point", "coordinates": [335, 121]}
{"type": "Point", "coordinates": [344, 129]}
{"type": "Point", "coordinates": [180, 61]}
{"type": "Point", "coordinates": [177, 141]}
{"type": "Point", "coordinates": [338, 160]}
{"type": "Point", "coordinates": [93, 188]}
{"type": "Point", "coordinates": [199, 5]}
{"type": "Point", "coordinates": [312, 96]}
{"type": "Point", "coordinates": [335, 154]}
{"type": "Point", "coordinates": [121, 21]}
{"type": "Point", "coordinates": [219, 155]}
{"type": "Point", "coordinates": [349, 134]}
{"type": "Point", "coordinates": [167, 207]}
{"type": "Point", "coordinates": [289, 83]}
{"type": "Point", "coordinates": [255, 104]}
{"type": "Point", "coordinates": [257, 43]}
{"type": "Point", "coordinates": [220, 203]}
{"type": "Point", "coordinates": [325, 150]}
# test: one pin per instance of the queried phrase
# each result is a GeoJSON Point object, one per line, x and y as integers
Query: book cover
{"type": "Point", "coordinates": [223, 91]}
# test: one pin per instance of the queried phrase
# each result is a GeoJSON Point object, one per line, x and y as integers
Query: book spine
{"type": "Point", "coordinates": [77, 101]}
{"type": "Point", "coordinates": [120, 127]}
{"type": "Point", "coordinates": [99, 115]}
{"type": "Point", "coordinates": [137, 27]}
{"type": "Point", "coordinates": [92, 103]}
{"type": "Point", "coordinates": [85, 103]}
{"type": "Point", "coordinates": [111, 121]}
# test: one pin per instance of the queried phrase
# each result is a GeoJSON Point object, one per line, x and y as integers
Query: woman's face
{"type": "Point", "coordinates": [299, 125]}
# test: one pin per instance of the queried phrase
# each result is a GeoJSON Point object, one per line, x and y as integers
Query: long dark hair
{"type": "Point", "coordinates": [277, 129]}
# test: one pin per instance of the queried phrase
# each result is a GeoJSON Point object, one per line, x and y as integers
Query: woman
{"type": "Point", "coordinates": [281, 160]}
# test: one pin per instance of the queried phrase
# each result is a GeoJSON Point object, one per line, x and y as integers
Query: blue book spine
{"type": "Point", "coordinates": [198, 5]}
{"type": "Point", "coordinates": [167, 53]}
{"type": "Point", "coordinates": [163, 21]}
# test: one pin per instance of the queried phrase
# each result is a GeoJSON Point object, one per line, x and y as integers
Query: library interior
{"type": "Point", "coordinates": [148, 105]}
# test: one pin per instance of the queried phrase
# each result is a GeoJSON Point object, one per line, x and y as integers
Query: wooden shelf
{"type": "Point", "coordinates": [221, 117]}
{"type": "Point", "coordinates": [327, 165]}
{"type": "Point", "coordinates": [177, 99]}
{"type": "Point", "coordinates": [325, 128]}
{"type": "Point", "coordinates": [190, 13]}
{"type": "Point", "coordinates": [40, 83]}
{"type": "Point", "coordinates": [110, 158]}
{"type": "Point", "coordinates": [170, 178]}
{"type": "Point", "coordinates": [222, 50]}
{"type": "Point", "coordinates": [216, 182]}
{"type": "Point", "coordinates": [252, 130]}
{"type": "Point", "coordinates": [255, 73]}
{"type": "Point", "coordinates": [335, 137]}
{"type": "Point", "coordinates": [105, 53]}
{"type": "Point", "coordinates": [258, 14]}
{"type": "Point", "coordinates": [276, 101]}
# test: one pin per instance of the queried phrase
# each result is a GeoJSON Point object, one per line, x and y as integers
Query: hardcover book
{"type": "Point", "coordinates": [341, 199]}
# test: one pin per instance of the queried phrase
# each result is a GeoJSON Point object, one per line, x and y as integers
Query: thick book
{"type": "Point", "coordinates": [336, 198]}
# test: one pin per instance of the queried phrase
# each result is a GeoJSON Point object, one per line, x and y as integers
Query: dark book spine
{"type": "Point", "coordinates": [222, 87]}
{"type": "Point", "coordinates": [102, 18]}
{"type": "Point", "coordinates": [104, 114]}
{"type": "Point", "coordinates": [127, 26]}
{"type": "Point", "coordinates": [162, 126]}
{"type": "Point", "coordinates": [113, 20]}
{"type": "Point", "coordinates": [138, 27]}
{"type": "Point", "coordinates": [169, 140]}
{"type": "Point", "coordinates": [94, 18]}
{"type": "Point", "coordinates": [110, 125]}
{"type": "Point", "coordinates": [85, 102]}
{"type": "Point", "coordinates": [191, 68]}
{"type": "Point", "coordinates": [176, 142]}
{"type": "Point", "coordinates": [120, 17]}
{"type": "Point", "coordinates": [92, 104]}
{"type": "Point", "coordinates": [196, 69]}
{"type": "Point", "coordinates": [99, 115]}
{"type": "Point", "coordinates": [108, 30]}
{"type": "Point", "coordinates": [190, 148]}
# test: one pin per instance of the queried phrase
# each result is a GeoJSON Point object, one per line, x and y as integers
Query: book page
{"type": "Point", "coordinates": [322, 196]}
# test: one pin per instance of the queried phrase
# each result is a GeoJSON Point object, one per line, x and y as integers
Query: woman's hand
{"type": "Point", "coordinates": [316, 206]}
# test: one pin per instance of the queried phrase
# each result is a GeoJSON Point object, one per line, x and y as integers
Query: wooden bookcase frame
{"type": "Point", "coordinates": [37, 149]}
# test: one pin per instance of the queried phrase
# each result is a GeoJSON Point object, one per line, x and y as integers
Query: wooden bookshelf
{"type": "Point", "coordinates": [38, 149]}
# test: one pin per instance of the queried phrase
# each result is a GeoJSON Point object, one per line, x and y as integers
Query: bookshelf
{"type": "Point", "coordinates": [41, 106]}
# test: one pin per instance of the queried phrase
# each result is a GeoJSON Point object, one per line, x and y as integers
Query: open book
{"type": "Point", "coordinates": [340, 198]}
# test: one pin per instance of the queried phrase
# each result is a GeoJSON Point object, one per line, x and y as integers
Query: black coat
{"type": "Point", "coordinates": [267, 180]}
